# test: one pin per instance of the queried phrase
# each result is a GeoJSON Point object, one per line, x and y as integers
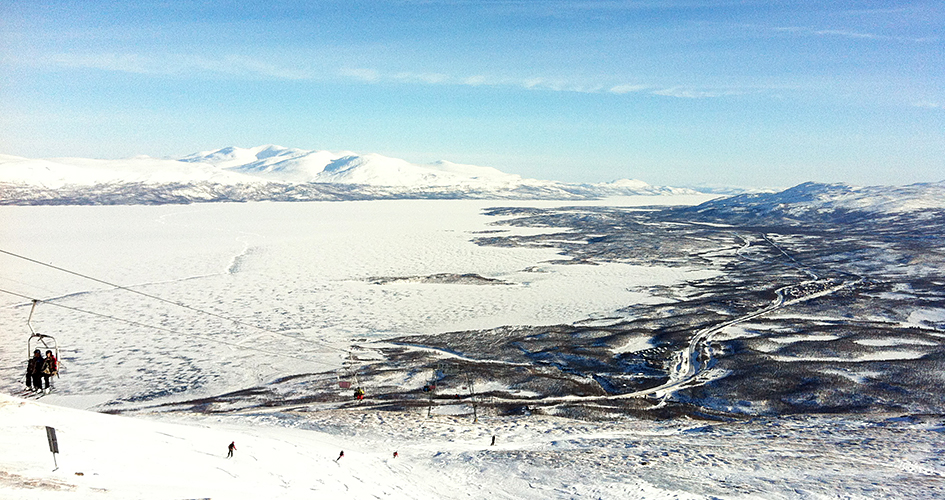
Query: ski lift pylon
{"type": "Point", "coordinates": [348, 377]}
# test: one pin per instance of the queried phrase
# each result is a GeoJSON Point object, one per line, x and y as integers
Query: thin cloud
{"type": "Point", "coordinates": [474, 80]}
{"type": "Point", "coordinates": [532, 83]}
{"type": "Point", "coordinates": [852, 34]}
{"type": "Point", "coordinates": [173, 64]}
{"type": "Point", "coordinates": [627, 89]}
{"type": "Point", "coordinates": [363, 74]}
{"type": "Point", "coordinates": [252, 66]}
{"type": "Point", "coordinates": [428, 78]}
{"type": "Point", "coordinates": [536, 83]}
{"type": "Point", "coordinates": [690, 93]}
{"type": "Point", "coordinates": [247, 67]}
{"type": "Point", "coordinates": [123, 63]}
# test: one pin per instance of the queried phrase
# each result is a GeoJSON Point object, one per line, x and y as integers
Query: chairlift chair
{"type": "Point", "coordinates": [40, 341]}
{"type": "Point", "coordinates": [348, 378]}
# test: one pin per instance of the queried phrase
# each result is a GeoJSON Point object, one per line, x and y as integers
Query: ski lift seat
{"type": "Point", "coordinates": [39, 341]}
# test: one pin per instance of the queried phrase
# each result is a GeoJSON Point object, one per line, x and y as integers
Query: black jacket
{"type": "Point", "coordinates": [35, 366]}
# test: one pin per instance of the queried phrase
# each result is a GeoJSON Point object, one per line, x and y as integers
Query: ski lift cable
{"type": "Point", "coordinates": [131, 322]}
{"type": "Point", "coordinates": [137, 323]}
{"type": "Point", "coordinates": [31, 285]}
{"type": "Point", "coordinates": [179, 304]}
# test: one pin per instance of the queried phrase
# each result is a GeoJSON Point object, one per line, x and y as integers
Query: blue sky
{"type": "Point", "coordinates": [677, 92]}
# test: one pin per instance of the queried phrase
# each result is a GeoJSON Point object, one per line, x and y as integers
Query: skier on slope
{"type": "Point", "coordinates": [230, 449]}
{"type": "Point", "coordinates": [340, 456]}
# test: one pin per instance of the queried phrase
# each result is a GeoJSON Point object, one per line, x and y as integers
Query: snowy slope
{"type": "Point", "coordinates": [812, 200]}
{"type": "Point", "coordinates": [296, 165]}
{"type": "Point", "coordinates": [293, 455]}
{"type": "Point", "coordinates": [380, 170]}
{"type": "Point", "coordinates": [234, 156]}
{"type": "Point", "coordinates": [270, 162]}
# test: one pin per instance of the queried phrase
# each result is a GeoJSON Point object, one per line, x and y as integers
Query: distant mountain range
{"type": "Point", "coordinates": [812, 203]}
{"type": "Point", "coordinates": [276, 173]}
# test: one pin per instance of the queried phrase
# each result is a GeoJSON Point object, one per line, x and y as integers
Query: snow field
{"type": "Point", "coordinates": [120, 457]}
{"type": "Point", "coordinates": [297, 278]}
{"type": "Point", "coordinates": [292, 455]}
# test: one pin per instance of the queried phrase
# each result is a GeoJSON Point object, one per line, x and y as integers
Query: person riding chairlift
{"type": "Point", "coordinates": [50, 368]}
{"type": "Point", "coordinates": [34, 371]}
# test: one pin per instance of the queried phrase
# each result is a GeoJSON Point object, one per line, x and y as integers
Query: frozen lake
{"type": "Point", "coordinates": [288, 286]}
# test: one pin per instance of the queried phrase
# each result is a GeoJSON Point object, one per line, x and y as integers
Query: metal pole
{"type": "Point", "coordinates": [29, 321]}
{"type": "Point", "coordinates": [432, 388]}
{"type": "Point", "coordinates": [472, 396]}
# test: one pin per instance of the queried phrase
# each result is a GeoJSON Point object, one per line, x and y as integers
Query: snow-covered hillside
{"type": "Point", "coordinates": [293, 455]}
{"type": "Point", "coordinates": [276, 173]}
{"type": "Point", "coordinates": [268, 162]}
{"type": "Point", "coordinates": [813, 201]}
{"type": "Point", "coordinates": [295, 165]}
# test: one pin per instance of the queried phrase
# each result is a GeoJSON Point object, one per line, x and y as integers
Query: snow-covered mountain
{"type": "Point", "coordinates": [280, 164]}
{"type": "Point", "coordinates": [271, 163]}
{"type": "Point", "coordinates": [277, 173]}
{"type": "Point", "coordinates": [814, 202]}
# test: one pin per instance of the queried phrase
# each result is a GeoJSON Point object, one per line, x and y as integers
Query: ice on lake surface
{"type": "Point", "coordinates": [300, 279]}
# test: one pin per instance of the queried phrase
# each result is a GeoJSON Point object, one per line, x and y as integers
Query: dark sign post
{"type": "Point", "coordinates": [53, 444]}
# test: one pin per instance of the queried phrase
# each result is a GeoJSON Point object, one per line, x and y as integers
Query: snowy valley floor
{"type": "Point", "coordinates": [292, 455]}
